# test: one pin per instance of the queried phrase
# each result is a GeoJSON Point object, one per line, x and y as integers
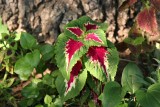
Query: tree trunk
{"type": "Point", "coordinates": [46, 18]}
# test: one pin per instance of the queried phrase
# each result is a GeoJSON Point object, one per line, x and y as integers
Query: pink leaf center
{"type": "Point", "coordinates": [76, 31]}
{"type": "Point", "coordinates": [93, 36]}
{"type": "Point", "coordinates": [90, 26]}
{"type": "Point", "coordinates": [74, 73]}
{"type": "Point", "coordinates": [98, 55]}
{"type": "Point", "coordinates": [71, 48]}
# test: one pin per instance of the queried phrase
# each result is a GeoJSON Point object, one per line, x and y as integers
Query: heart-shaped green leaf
{"type": "Point", "coordinates": [31, 90]}
{"type": "Point", "coordinates": [27, 41]}
{"type": "Point", "coordinates": [25, 65]}
{"type": "Point", "coordinates": [149, 97]}
{"type": "Point", "coordinates": [132, 78]}
{"type": "Point", "coordinates": [112, 94]}
{"type": "Point", "coordinates": [47, 51]}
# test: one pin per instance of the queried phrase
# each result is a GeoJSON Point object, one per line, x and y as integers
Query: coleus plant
{"type": "Point", "coordinates": [147, 20]}
{"type": "Point", "coordinates": [83, 48]}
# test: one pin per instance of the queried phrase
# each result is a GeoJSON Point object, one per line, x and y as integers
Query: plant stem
{"type": "Point", "coordinates": [127, 60]}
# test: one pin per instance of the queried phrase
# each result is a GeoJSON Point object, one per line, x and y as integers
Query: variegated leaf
{"type": "Point", "coordinates": [90, 26]}
{"type": "Point", "coordinates": [94, 37]}
{"type": "Point", "coordinates": [76, 28]}
{"type": "Point", "coordinates": [65, 50]}
{"type": "Point", "coordinates": [147, 21]}
{"type": "Point", "coordinates": [97, 64]}
{"type": "Point", "coordinates": [60, 54]}
{"type": "Point", "coordinates": [73, 76]}
{"type": "Point", "coordinates": [76, 31]}
{"type": "Point", "coordinates": [71, 48]}
{"type": "Point", "coordinates": [113, 59]}
{"type": "Point", "coordinates": [79, 84]}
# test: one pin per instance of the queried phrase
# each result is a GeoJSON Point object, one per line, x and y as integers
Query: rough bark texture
{"type": "Point", "coordinates": [46, 18]}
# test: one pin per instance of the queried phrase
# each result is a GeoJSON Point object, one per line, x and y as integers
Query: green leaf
{"type": "Point", "coordinates": [132, 78]}
{"type": "Point", "coordinates": [17, 36]}
{"type": "Point", "coordinates": [47, 51]}
{"type": "Point", "coordinates": [112, 94]}
{"type": "Point", "coordinates": [25, 65]}
{"type": "Point", "coordinates": [85, 95]}
{"type": "Point", "coordinates": [47, 99]}
{"type": "Point", "coordinates": [61, 88]}
{"type": "Point", "coordinates": [39, 105]}
{"type": "Point", "coordinates": [92, 84]}
{"type": "Point", "coordinates": [101, 35]}
{"type": "Point", "coordinates": [31, 90]}
{"type": "Point", "coordinates": [58, 102]}
{"type": "Point", "coordinates": [103, 26]}
{"type": "Point", "coordinates": [113, 60]}
{"type": "Point", "coordinates": [91, 103]}
{"type": "Point", "coordinates": [9, 82]}
{"type": "Point", "coordinates": [3, 29]}
{"type": "Point", "coordinates": [48, 80]}
{"type": "Point", "coordinates": [27, 41]}
{"type": "Point", "coordinates": [60, 58]}
{"type": "Point", "coordinates": [26, 102]}
{"type": "Point", "coordinates": [149, 97]}
{"type": "Point", "coordinates": [41, 67]}
{"type": "Point", "coordinates": [122, 105]}
{"type": "Point", "coordinates": [137, 41]}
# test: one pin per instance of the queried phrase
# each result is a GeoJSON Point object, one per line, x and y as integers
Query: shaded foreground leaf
{"type": "Point", "coordinates": [112, 94]}
{"type": "Point", "coordinates": [132, 78]}
{"type": "Point", "coordinates": [31, 90]}
{"type": "Point", "coordinates": [149, 97]}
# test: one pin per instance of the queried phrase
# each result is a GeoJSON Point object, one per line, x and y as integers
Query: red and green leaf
{"type": "Point", "coordinates": [76, 31]}
{"type": "Point", "coordinates": [98, 55]}
{"type": "Point", "coordinates": [90, 26]}
{"type": "Point", "coordinates": [60, 55]}
{"type": "Point", "coordinates": [147, 21]}
{"type": "Point", "coordinates": [76, 28]}
{"type": "Point", "coordinates": [97, 64]}
{"type": "Point", "coordinates": [73, 75]}
{"type": "Point", "coordinates": [94, 37]}
{"type": "Point", "coordinates": [71, 48]}
{"type": "Point", "coordinates": [80, 81]}
{"type": "Point", "coordinates": [67, 53]}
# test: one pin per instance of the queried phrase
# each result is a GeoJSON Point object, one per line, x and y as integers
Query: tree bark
{"type": "Point", "coordinates": [46, 18]}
